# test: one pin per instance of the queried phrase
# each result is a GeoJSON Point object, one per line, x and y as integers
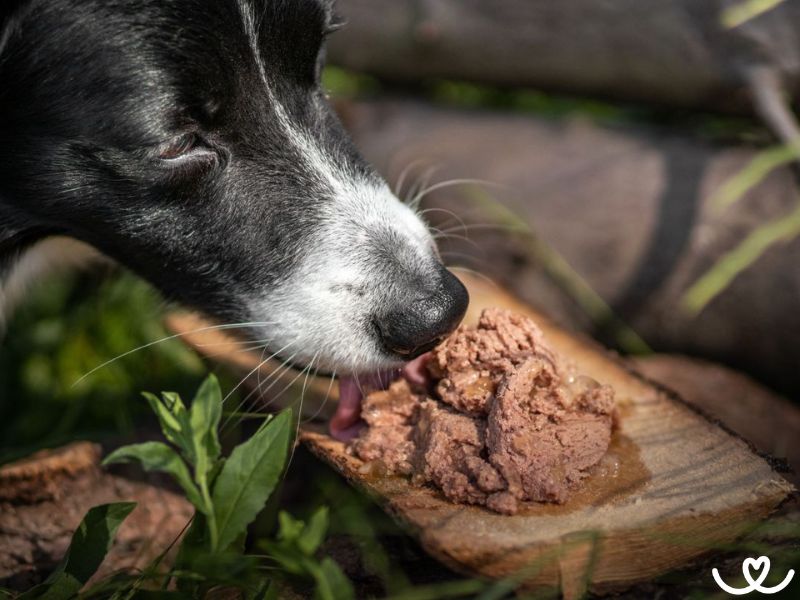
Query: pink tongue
{"type": "Point", "coordinates": [346, 423]}
{"type": "Point", "coordinates": [416, 372]}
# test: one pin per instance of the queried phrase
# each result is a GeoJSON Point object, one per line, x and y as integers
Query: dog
{"type": "Point", "coordinates": [191, 142]}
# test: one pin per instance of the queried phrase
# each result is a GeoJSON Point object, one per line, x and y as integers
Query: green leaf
{"type": "Point", "coordinates": [332, 584]}
{"type": "Point", "coordinates": [169, 423]}
{"type": "Point", "coordinates": [267, 591]}
{"type": "Point", "coordinates": [314, 533]}
{"type": "Point", "coordinates": [59, 586]}
{"type": "Point", "coordinates": [89, 546]}
{"type": "Point", "coordinates": [289, 528]}
{"type": "Point", "coordinates": [157, 456]}
{"type": "Point", "coordinates": [173, 418]}
{"type": "Point", "coordinates": [248, 478]}
{"type": "Point", "coordinates": [286, 555]}
{"type": "Point", "coordinates": [204, 417]}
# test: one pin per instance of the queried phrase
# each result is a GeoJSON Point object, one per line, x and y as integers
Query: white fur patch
{"type": "Point", "coordinates": [317, 314]}
{"type": "Point", "coordinates": [324, 312]}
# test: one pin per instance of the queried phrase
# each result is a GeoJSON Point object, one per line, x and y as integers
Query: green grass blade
{"type": "Point", "coordinates": [729, 266]}
{"type": "Point", "coordinates": [249, 477]}
{"type": "Point", "coordinates": [751, 175]}
{"type": "Point", "coordinates": [738, 14]}
{"type": "Point", "coordinates": [563, 275]}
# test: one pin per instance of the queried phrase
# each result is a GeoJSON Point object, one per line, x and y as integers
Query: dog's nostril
{"type": "Point", "coordinates": [419, 326]}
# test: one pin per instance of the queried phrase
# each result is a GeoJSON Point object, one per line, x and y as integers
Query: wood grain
{"type": "Point", "coordinates": [684, 486]}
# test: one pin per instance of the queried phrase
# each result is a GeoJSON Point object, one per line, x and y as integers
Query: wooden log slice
{"type": "Point", "coordinates": [682, 486]}
{"type": "Point", "coordinates": [44, 497]}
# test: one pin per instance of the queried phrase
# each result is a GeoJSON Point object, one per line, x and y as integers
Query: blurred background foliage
{"type": "Point", "coordinates": [67, 326]}
{"type": "Point", "coordinates": [343, 83]}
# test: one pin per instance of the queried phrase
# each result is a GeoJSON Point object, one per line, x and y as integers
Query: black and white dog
{"type": "Point", "coordinates": [190, 141]}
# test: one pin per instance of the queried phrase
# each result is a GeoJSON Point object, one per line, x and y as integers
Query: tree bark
{"type": "Point", "coordinates": [672, 52]}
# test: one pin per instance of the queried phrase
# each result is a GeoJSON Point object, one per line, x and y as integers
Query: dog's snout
{"type": "Point", "coordinates": [419, 325]}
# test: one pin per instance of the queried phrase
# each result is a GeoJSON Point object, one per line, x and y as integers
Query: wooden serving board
{"type": "Point", "coordinates": [674, 486]}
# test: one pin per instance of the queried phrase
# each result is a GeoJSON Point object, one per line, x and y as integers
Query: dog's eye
{"type": "Point", "coordinates": [178, 147]}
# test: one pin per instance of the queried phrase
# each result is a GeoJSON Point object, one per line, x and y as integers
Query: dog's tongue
{"type": "Point", "coordinates": [346, 423]}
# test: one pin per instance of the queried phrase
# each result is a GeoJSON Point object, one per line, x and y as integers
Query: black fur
{"type": "Point", "coordinates": [91, 88]}
{"type": "Point", "coordinates": [93, 91]}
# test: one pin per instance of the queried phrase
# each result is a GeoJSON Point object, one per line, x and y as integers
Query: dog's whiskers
{"type": "Point", "coordinates": [277, 395]}
{"type": "Point", "coordinates": [279, 371]}
{"type": "Point", "coordinates": [438, 235]}
{"type": "Point", "coordinates": [258, 368]}
{"type": "Point", "coordinates": [449, 183]}
{"type": "Point", "coordinates": [244, 350]}
{"type": "Point", "coordinates": [307, 370]}
{"type": "Point", "coordinates": [420, 184]}
{"type": "Point", "coordinates": [474, 272]}
{"type": "Point", "coordinates": [223, 326]}
{"type": "Point", "coordinates": [481, 226]}
{"type": "Point", "coordinates": [229, 342]}
{"type": "Point", "coordinates": [274, 376]}
{"type": "Point", "coordinates": [398, 188]}
{"type": "Point", "coordinates": [324, 401]}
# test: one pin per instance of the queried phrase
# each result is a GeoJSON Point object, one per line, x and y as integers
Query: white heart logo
{"type": "Point", "coordinates": [762, 562]}
{"type": "Point", "coordinates": [761, 566]}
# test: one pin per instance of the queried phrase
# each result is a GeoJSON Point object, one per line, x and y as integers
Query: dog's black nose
{"type": "Point", "coordinates": [421, 324]}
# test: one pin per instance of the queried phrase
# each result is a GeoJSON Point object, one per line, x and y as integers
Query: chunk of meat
{"type": "Point", "coordinates": [390, 416]}
{"type": "Point", "coordinates": [512, 423]}
{"type": "Point", "coordinates": [449, 448]}
{"type": "Point", "coordinates": [472, 361]}
{"type": "Point", "coordinates": [541, 436]}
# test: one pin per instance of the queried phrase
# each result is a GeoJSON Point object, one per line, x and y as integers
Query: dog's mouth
{"type": "Point", "coordinates": [346, 423]}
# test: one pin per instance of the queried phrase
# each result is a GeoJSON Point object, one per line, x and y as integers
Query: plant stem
{"type": "Point", "coordinates": [213, 534]}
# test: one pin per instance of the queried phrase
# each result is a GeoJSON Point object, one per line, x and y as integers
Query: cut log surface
{"type": "Point", "coordinates": [44, 497]}
{"type": "Point", "coordinates": [770, 422]}
{"type": "Point", "coordinates": [680, 487]}
{"type": "Point", "coordinates": [663, 51]}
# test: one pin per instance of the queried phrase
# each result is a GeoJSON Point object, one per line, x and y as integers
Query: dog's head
{"type": "Point", "coordinates": [191, 141]}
